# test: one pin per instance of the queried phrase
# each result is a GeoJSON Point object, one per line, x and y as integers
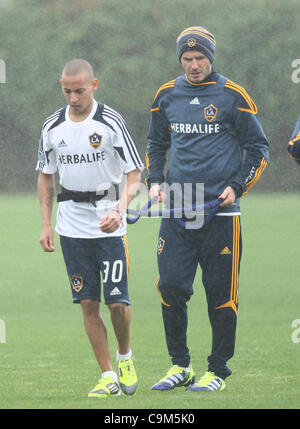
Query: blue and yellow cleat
{"type": "Point", "coordinates": [209, 382]}
{"type": "Point", "coordinates": [176, 377]}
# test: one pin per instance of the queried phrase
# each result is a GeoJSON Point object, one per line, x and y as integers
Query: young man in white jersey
{"type": "Point", "coordinates": [90, 146]}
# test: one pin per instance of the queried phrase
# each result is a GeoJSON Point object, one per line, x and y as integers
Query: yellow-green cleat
{"type": "Point", "coordinates": [105, 387]}
{"type": "Point", "coordinates": [175, 377]}
{"type": "Point", "coordinates": [127, 376]}
{"type": "Point", "coordinates": [209, 382]}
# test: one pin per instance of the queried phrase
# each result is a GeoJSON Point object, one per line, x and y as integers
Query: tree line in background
{"type": "Point", "coordinates": [132, 47]}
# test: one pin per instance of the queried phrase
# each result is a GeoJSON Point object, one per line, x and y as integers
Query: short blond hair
{"type": "Point", "coordinates": [77, 66]}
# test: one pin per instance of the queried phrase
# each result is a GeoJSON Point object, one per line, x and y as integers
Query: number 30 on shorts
{"type": "Point", "coordinates": [114, 269]}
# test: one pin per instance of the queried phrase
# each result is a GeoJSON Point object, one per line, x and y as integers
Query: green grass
{"type": "Point", "coordinates": [46, 361]}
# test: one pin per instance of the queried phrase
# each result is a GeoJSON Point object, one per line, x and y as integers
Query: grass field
{"type": "Point", "coordinates": [46, 361]}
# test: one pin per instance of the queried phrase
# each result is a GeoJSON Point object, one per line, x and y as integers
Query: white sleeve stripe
{"type": "Point", "coordinates": [50, 119]}
{"type": "Point", "coordinates": [125, 132]}
{"type": "Point", "coordinates": [41, 154]}
{"type": "Point", "coordinates": [41, 151]}
{"type": "Point", "coordinates": [127, 137]}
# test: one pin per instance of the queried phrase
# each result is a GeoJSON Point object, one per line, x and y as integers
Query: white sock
{"type": "Point", "coordinates": [186, 369]}
{"type": "Point", "coordinates": [111, 374]}
{"type": "Point", "coordinates": [122, 357]}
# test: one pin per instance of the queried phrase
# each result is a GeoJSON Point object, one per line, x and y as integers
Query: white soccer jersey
{"type": "Point", "coordinates": [90, 155]}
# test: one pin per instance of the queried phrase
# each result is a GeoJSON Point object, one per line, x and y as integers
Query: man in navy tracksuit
{"type": "Point", "coordinates": [210, 127]}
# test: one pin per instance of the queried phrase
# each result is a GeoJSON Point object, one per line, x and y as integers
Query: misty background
{"type": "Point", "coordinates": [132, 46]}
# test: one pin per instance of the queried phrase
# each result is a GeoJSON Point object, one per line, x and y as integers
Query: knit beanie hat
{"type": "Point", "coordinates": [196, 39]}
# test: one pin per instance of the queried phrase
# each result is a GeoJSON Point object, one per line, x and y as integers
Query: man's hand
{"type": "Point", "coordinates": [228, 196]}
{"type": "Point", "coordinates": [155, 191]}
{"type": "Point", "coordinates": [111, 222]}
{"type": "Point", "coordinates": [47, 239]}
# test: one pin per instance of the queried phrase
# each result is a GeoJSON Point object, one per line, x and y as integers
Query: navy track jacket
{"type": "Point", "coordinates": [213, 133]}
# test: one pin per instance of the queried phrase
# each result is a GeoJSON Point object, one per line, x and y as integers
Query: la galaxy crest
{"type": "Point", "coordinates": [160, 245]}
{"type": "Point", "coordinates": [76, 283]}
{"type": "Point", "coordinates": [191, 42]}
{"type": "Point", "coordinates": [210, 112]}
{"type": "Point", "coordinates": [95, 140]}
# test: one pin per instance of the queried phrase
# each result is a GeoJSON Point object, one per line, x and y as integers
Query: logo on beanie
{"type": "Point", "coordinates": [191, 42]}
{"type": "Point", "coordinates": [210, 112]}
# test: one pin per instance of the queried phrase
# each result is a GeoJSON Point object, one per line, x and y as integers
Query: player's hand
{"type": "Point", "coordinates": [47, 239]}
{"type": "Point", "coordinates": [228, 195]}
{"type": "Point", "coordinates": [111, 222]}
{"type": "Point", "coordinates": [155, 191]}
